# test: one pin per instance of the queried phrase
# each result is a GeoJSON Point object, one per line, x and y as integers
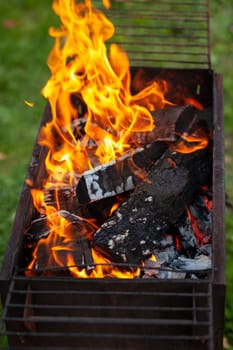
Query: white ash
{"type": "Point", "coordinates": [120, 188]}
{"type": "Point", "coordinates": [167, 255]}
{"type": "Point", "coordinates": [151, 267]}
{"type": "Point", "coordinates": [146, 252]}
{"type": "Point", "coordinates": [111, 223]}
{"type": "Point", "coordinates": [163, 258]}
{"type": "Point", "coordinates": [129, 185]}
{"type": "Point", "coordinates": [170, 264]}
{"type": "Point", "coordinates": [205, 249]}
{"type": "Point", "coordinates": [169, 274]}
{"type": "Point", "coordinates": [187, 237]}
{"type": "Point", "coordinates": [133, 220]}
{"type": "Point", "coordinates": [107, 224]}
{"type": "Point", "coordinates": [117, 239]}
{"type": "Point", "coordinates": [199, 263]}
{"type": "Point", "coordinates": [148, 199]}
{"type": "Point", "coordinates": [133, 249]}
{"type": "Point", "coordinates": [111, 244]}
{"type": "Point", "coordinates": [167, 241]}
{"type": "Point", "coordinates": [123, 257]}
{"type": "Point", "coordinates": [121, 238]}
{"type": "Point", "coordinates": [119, 215]}
{"type": "Point", "coordinates": [94, 189]}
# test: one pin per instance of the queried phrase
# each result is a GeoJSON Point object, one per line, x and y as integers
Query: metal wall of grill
{"type": "Point", "coordinates": [162, 33]}
{"type": "Point", "coordinates": [65, 313]}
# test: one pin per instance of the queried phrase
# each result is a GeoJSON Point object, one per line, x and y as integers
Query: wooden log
{"type": "Point", "coordinates": [80, 232]}
{"type": "Point", "coordinates": [122, 175]}
{"type": "Point", "coordinates": [134, 230]}
{"type": "Point", "coordinates": [167, 123]}
{"type": "Point", "coordinates": [117, 177]}
{"type": "Point", "coordinates": [63, 198]}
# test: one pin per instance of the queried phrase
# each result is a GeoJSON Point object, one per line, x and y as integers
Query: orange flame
{"type": "Point", "coordinates": [29, 103]}
{"type": "Point", "coordinates": [193, 102]}
{"type": "Point", "coordinates": [191, 143]}
{"type": "Point", "coordinates": [81, 67]}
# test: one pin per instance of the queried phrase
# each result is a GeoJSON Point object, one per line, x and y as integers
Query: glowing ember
{"type": "Point", "coordinates": [192, 143]}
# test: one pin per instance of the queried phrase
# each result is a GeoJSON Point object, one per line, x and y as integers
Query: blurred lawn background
{"type": "Point", "coordinates": [24, 47]}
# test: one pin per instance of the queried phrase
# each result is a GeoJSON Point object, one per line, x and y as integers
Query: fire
{"type": "Point", "coordinates": [195, 103]}
{"type": "Point", "coordinates": [82, 67]}
{"type": "Point", "coordinates": [29, 103]}
{"type": "Point", "coordinates": [191, 143]}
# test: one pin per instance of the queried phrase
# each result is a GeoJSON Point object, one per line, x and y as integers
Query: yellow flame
{"type": "Point", "coordinates": [29, 104]}
{"type": "Point", "coordinates": [81, 67]}
{"type": "Point", "coordinates": [191, 143]}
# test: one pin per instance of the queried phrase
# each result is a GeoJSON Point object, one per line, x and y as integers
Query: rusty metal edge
{"type": "Point", "coordinates": [15, 241]}
{"type": "Point", "coordinates": [218, 184]}
{"type": "Point", "coordinates": [219, 250]}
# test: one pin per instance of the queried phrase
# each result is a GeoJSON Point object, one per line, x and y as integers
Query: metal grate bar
{"type": "Point", "coordinates": [94, 314]}
{"type": "Point", "coordinates": [106, 336]}
{"type": "Point", "coordinates": [152, 23]}
{"type": "Point", "coordinates": [78, 293]}
{"type": "Point", "coordinates": [108, 308]}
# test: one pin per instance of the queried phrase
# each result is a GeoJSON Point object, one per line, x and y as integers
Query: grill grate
{"type": "Point", "coordinates": [66, 313]}
{"type": "Point", "coordinates": [163, 33]}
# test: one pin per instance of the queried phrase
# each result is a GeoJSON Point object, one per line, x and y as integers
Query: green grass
{"type": "Point", "coordinates": [222, 53]}
{"type": "Point", "coordinates": [24, 46]}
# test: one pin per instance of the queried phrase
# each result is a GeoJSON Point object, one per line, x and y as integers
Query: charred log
{"type": "Point", "coordinates": [117, 177]}
{"type": "Point", "coordinates": [77, 244]}
{"type": "Point", "coordinates": [122, 175]}
{"type": "Point", "coordinates": [186, 235]}
{"type": "Point", "coordinates": [168, 122]}
{"type": "Point", "coordinates": [157, 203]}
{"type": "Point", "coordinates": [63, 198]}
{"type": "Point", "coordinates": [83, 231]}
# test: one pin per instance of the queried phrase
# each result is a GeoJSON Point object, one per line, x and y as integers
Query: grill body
{"type": "Point", "coordinates": [60, 312]}
{"type": "Point", "coordinates": [66, 313]}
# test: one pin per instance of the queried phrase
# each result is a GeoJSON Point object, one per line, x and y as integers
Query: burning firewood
{"type": "Point", "coordinates": [133, 231]}
{"type": "Point", "coordinates": [78, 245]}
{"type": "Point", "coordinates": [119, 176]}
{"type": "Point", "coordinates": [122, 175]}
